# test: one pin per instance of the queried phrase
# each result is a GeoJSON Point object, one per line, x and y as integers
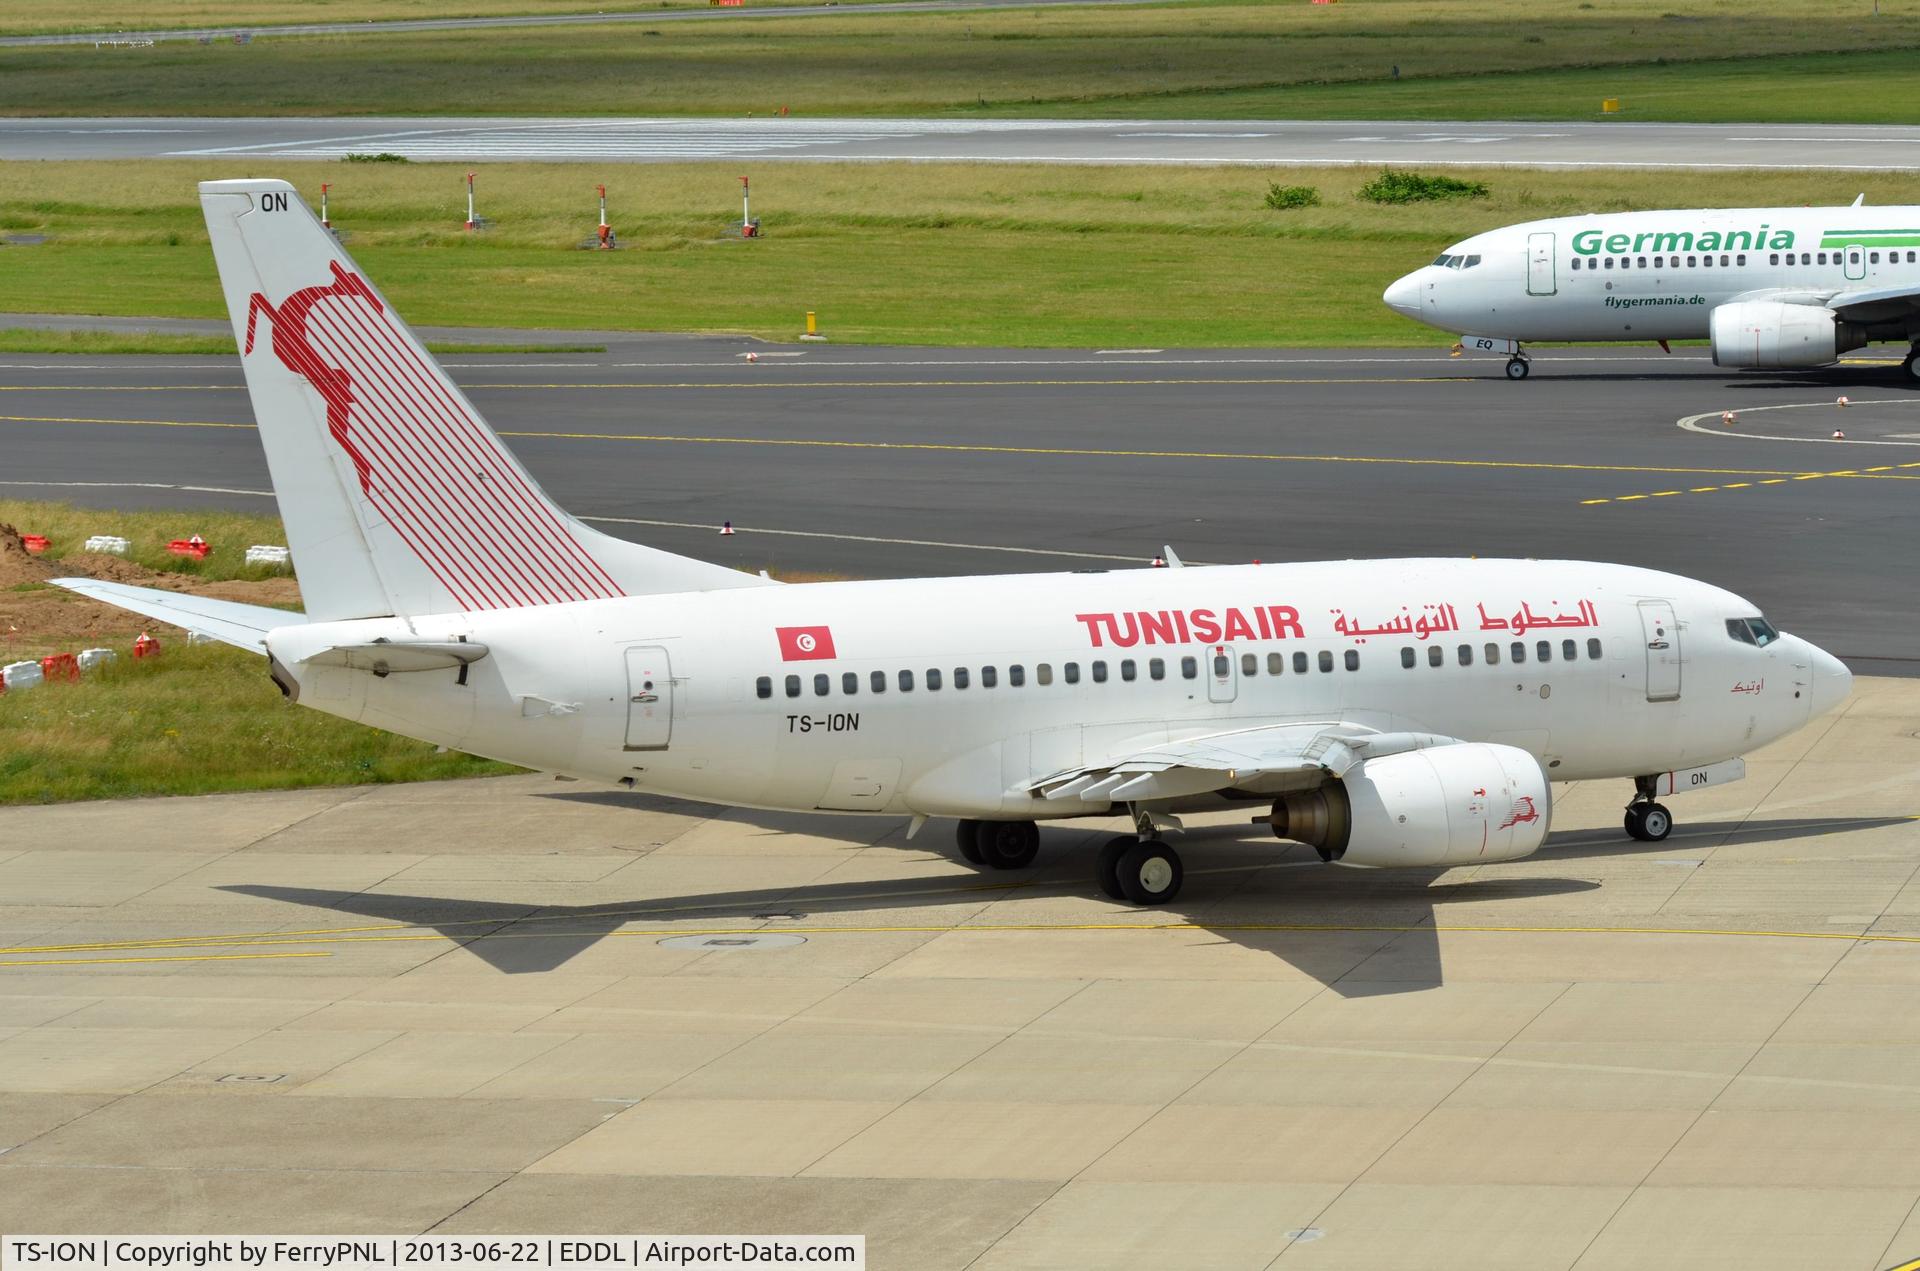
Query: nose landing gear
{"type": "Point", "coordinates": [1647, 821]}
{"type": "Point", "coordinates": [1517, 367]}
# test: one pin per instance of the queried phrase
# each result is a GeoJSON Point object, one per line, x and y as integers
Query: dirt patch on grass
{"type": "Point", "coordinates": [37, 618]}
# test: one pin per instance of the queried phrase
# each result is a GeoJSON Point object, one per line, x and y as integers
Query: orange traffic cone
{"type": "Point", "coordinates": [726, 527]}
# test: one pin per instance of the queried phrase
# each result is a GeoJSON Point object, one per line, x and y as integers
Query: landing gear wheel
{"type": "Point", "coordinates": [1106, 866]}
{"type": "Point", "coordinates": [1008, 844]}
{"type": "Point", "coordinates": [1649, 822]}
{"type": "Point", "coordinates": [966, 835]}
{"type": "Point", "coordinates": [1517, 368]}
{"type": "Point", "coordinates": [1150, 872]}
{"type": "Point", "coordinates": [1911, 367]}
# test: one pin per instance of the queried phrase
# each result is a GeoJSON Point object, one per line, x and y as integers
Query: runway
{"type": "Point", "coordinates": [875, 462]}
{"type": "Point", "coordinates": [1263, 142]}
{"type": "Point", "coordinates": [520, 1006]}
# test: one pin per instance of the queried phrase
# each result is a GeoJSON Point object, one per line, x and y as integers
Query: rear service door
{"type": "Point", "coordinates": [1663, 650]}
{"type": "Point", "coordinates": [1540, 277]}
{"type": "Point", "coordinates": [649, 698]}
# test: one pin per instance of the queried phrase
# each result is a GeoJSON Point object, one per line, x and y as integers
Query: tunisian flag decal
{"type": "Point", "coordinates": [802, 644]}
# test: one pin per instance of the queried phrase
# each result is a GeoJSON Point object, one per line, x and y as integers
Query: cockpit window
{"type": "Point", "coordinates": [1443, 260]}
{"type": "Point", "coordinates": [1755, 631]}
{"type": "Point", "coordinates": [1471, 262]}
{"type": "Point", "coordinates": [1448, 260]}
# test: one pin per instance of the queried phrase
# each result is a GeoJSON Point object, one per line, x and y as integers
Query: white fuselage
{"type": "Point", "coordinates": [1657, 275]}
{"type": "Point", "coordinates": [701, 695]}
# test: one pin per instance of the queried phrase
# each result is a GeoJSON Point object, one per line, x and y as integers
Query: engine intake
{"type": "Point", "coordinates": [1464, 804]}
{"type": "Point", "coordinates": [1766, 333]}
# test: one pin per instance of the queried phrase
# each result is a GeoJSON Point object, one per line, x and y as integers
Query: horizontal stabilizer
{"type": "Point", "coordinates": [243, 626]}
{"type": "Point", "coordinates": [383, 657]}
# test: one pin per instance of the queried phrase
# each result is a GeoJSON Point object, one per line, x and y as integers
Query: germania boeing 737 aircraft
{"type": "Point", "coordinates": [1772, 287]}
{"type": "Point", "coordinates": [1390, 712]}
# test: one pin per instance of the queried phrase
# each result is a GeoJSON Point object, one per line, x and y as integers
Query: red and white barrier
{"type": "Point", "coordinates": [15, 676]}
{"type": "Point", "coordinates": [112, 544]}
{"type": "Point", "coordinates": [268, 554]}
{"type": "Point", "coordinates": [196, 547]}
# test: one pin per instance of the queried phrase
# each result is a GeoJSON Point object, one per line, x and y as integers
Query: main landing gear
{"type": "Point", "coordinates": [999, 844]}
{"type": "Point", "coordinates": [1647, 821]}
{"type": "Point", "coordinates": [1139, 867]}
{"type": "Point", "coordinates": [1911, 367]}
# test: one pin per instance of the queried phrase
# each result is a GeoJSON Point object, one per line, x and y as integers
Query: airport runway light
{"type": "Point", "coordinates": [606, 232]}
{"type": "Point", "coordinates": [324, 222]}
{"type": "Point", "coordinates": [470, 223]}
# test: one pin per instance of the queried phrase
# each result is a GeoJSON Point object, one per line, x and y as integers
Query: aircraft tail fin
{"type": "Point", "coordinates": [398, 497]}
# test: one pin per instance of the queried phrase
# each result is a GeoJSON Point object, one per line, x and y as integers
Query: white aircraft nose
{"type": "Point", "coordinates": [1404, 296]}
{"type": "Point", "coordinates": [1832, 681]}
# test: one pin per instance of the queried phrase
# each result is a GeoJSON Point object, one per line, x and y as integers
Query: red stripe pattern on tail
{"type": "Point", "coordinates": [436, 474]}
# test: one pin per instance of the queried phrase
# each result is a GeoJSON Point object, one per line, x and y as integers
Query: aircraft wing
{"type": "Point", "coordinates": [243, 626]}
{"type": "Point", "coordinates": [1264, 760]}
{"type": "Point", "coordinates": [1877, 305]}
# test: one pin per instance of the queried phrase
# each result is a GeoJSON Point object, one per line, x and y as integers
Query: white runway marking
{"type": "Point", "coordinates": [1698, 423]}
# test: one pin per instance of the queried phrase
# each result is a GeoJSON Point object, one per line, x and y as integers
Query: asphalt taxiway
{"type": "Point", "coordinates": [519, 1005]}
{"type": "Point", "coordinates": [1367, 143]}
{"type": "Point", "coordinates": [876, 462]}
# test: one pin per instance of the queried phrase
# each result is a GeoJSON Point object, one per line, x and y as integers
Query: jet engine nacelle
{"type": "Point", "coordinates": [1768, 333]}
{"type": "Point", "coordinates": [1464, 804]}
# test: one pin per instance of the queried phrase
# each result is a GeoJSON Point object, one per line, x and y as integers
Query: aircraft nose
{"type": "Point", "coordinates": [1832, 681]}
{"type": "Point", "coordinates": [1404, 296]}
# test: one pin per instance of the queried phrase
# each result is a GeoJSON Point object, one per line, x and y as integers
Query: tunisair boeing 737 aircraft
{"type": "Point", "coordinates": [1391, 712]}
{"type": "Point", "coordinates": [1772, 287]}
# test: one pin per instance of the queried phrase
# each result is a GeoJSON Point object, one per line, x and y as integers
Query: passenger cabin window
{"type": "Point", "coordinates": [906, 681]}
{"type": "Point", "coordinates": [1016, 675]}
{"type": "Point", "coordinates": [1773, 258]}
{"type": "Point", "coordinates": [1569, 651]}
{"type": "Point", "coordinates": [1128, 670]}
{"type": "Point", "coordinates": [1492, 653]}
{"type": "Point", "coordinates": [1043, 674]}
{"type": "Point", "coordinates": [1249, 664]}
{"type": "Point", "coordinates": [1326, 660]}
{"type": "Point", "coordinates": [961, 677]}
{"type": "Point", "coordinates": [763, 687]}
{"type": "Point", "coordinates": [1466, 655]}
{"type": "Point", "coordinates": [879, 681]}
{"type": "Point", "coordinates": [1518, 651]}
{"type": "Point", "coordinates": [1407, 658]}
{"type": "Point", "coordinates": [989, 677]}
{"type": "Point", "coordinates": [1189, 668]}
{"type": "Point", "coordinates": [1099, 670]}
{"type": "Point", "coordinates": [1276, 663]}
{"type": "Point", "coordinates": [1300, 663]}
{"type": "Point", "coordinates": [1593, 650]}
{"type": "Point", "coordinates": [1543, 651]}
{"type": "Point", "coordinates": [822, 685]}
{"type": "Point", "coordinates": [793, 686]}
{"type": "Point", "coordinates": [1353, 659]}
{"type": "Point", "coordinates": [1576, 262]}
{"type": "Point", "coordinates": [850, 683]}
{"type": "Point", "coordinates": [1071, 672]}
{"type": "Point", "coordinates": [933, 679]}
{"type": "Point", "coordinates": [1436, 656]}
{"type": "Point", "coordinates": [1156, 668]}
{"type": "Point", "coordinates": [1609, 262]}
{"type": "Point", "coordinates": [1222, 666]}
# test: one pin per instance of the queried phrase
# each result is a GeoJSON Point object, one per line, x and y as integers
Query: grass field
{"type": "Point", "coordinates": [903, 253]}
{"type": "Point", "coordinates": [195, 720]}
{"type": "Point", "coordinates": [1483, 57]}
{"type": "Point", "coordinates": [52, 17]}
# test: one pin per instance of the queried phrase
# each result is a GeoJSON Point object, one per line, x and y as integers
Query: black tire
{"type": "Point", "coordinates": [1008, 844]}
{"type": "Point", "coordinates": [966, 834]}
{"type": "Point", "coordinates": [1517, 368]}
{"type": "Point", "coordinates": [1655, 822]}
{"type": "Point", "coordinates": [1150, 873]}
{"type": "Point", "coordinates": [1106, 866]}
{"type": "Point", "coordinates": [1633, 825]}
{"type": "Point", "coordinates": [1911, 367]}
